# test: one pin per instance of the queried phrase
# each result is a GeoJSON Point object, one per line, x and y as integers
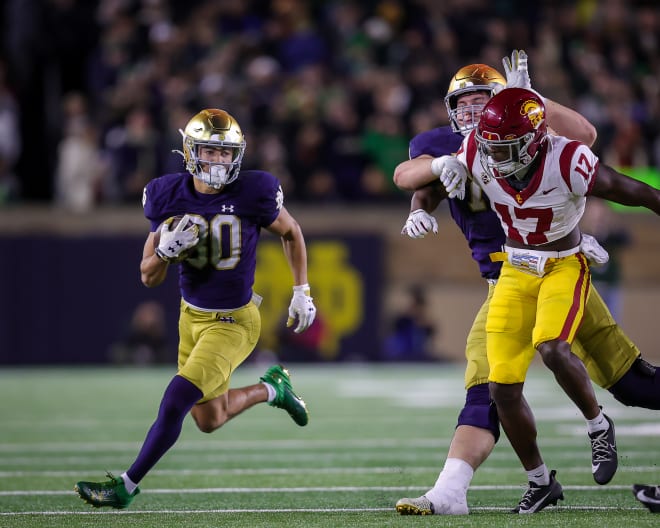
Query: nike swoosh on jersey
{"type": "Point", "coordinates": [643, 497]}
{"type": "Point", "coordinates": [548, 191]}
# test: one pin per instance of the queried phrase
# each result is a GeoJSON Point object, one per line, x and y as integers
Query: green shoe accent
{"type": "Point", "coordinates": [111, 493]}
{"type": "Point", "coordinates": [278, 377]}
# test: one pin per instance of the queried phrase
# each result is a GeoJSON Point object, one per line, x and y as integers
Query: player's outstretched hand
{"type": "Point", "coordinates": [517, 75]}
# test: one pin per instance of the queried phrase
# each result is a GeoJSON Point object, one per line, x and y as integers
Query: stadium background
{"type": "Point", "coordinates": [92, 92]}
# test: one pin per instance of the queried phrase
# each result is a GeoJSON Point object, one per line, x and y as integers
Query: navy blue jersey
{"type": "Point", "coordinates": [473, 214]}
{"type": "Point", "coordinates": [219, 274]}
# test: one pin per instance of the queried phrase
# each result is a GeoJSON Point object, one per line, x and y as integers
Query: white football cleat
{"type": "Point", "coordinates": [419, 506]}
{"type": "Point", "coordinates": [450, 503]}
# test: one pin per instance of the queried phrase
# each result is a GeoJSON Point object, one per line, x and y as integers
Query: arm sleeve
{"type": "Point", "coordinates": [149, 203]}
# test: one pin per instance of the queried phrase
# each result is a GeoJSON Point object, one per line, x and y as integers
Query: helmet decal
{"type": "Point", "coordinates": [534, 112]}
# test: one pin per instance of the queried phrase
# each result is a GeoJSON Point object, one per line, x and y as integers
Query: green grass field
{"type": "Point", "coordinates": [377, 433]}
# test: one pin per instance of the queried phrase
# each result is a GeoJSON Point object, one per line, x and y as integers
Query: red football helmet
{"type": "Point", "coordinates": [511, 132]}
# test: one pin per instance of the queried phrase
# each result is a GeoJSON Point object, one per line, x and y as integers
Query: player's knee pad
{"type": "Point", "coordinates": [639, 387]}
{"type": "Point", "coordinates": [480, 411]}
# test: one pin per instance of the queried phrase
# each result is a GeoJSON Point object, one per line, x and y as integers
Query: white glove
{"type": "Point", "coordinates": [515, 68]}
{"type": "Point", "coordinates": [302, 305]}
{"type": "Point", "coordinates": [174, 244]}
{"type": "Point", "coordinates": [596, 254]}
{"type": "Point", "coordinates": [419, 224]}
{"type": "Point", "coordinates": [452, 174]}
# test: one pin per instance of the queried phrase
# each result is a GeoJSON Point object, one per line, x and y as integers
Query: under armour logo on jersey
{"type": "Point", "coordinates": [227, 209]}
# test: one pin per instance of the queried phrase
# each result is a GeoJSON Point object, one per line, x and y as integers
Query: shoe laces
{"type": "Point", "coordinates": [113, 480]}
{"type": "Point", "coordinates": [528, 498]}
{"type": "Point", "coordinates": [600, 447]}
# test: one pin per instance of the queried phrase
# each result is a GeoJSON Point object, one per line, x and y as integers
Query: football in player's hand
{"type": "Point", "coordinates": [173, 223]}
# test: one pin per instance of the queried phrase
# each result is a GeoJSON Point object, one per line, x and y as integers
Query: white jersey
{"type": "Point", "coordinates": [553, 202]}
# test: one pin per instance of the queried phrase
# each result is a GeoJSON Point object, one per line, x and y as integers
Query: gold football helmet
{"type": "Point", "coordinates": [215, 128]}
{"type": "Point", "coordinates": [470, 79]}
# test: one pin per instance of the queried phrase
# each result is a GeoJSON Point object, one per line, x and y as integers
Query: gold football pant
{"type": "Point", "coordinates": [213, 344]}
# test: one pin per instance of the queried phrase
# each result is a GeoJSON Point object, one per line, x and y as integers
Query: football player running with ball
{"type": "Point", "coordinates": [611, 359]}
{"type": "Point", "coordinates": [209, 219]}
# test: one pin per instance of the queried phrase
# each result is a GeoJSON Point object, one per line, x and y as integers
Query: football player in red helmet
{"type": "Point", "coordinates": [538, 184]}
{"type": "Point", "coordinates": [613, 361]}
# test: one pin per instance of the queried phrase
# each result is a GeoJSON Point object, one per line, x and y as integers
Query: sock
{"type": "Point", "coordinates": [599, 423]}
{"type": "Point", "coordinates": [456, 475]}
{"type": "Point", "coordinates": [539, 476]}
{"type": "Point", "coordinates": [128, 483]}
{"type": "Point", "coordinates": [180, 396]}
{"type": "Point", "coordinates": [271, 391]}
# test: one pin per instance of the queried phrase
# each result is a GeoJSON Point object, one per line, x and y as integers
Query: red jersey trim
{"type": "Point", "coordinates": [580, 293]}
{"type": "Point", "coordinates": [565, 159]}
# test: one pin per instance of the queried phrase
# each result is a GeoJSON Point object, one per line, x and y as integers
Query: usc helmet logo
{"type": "Point", "coordinates": [534, 112]}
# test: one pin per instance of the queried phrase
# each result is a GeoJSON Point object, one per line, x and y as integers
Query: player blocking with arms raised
{"type": "Point", "coordinates": [611, 358]}
{"type": "Point", "coordinates": [219, 325]}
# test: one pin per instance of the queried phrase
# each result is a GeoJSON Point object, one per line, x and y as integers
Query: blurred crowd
{"type": "Point", "coordinates": [328, 92]}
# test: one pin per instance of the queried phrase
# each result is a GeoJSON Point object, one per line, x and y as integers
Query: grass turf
{"type": "Point", "coordinates": [376, 433]}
